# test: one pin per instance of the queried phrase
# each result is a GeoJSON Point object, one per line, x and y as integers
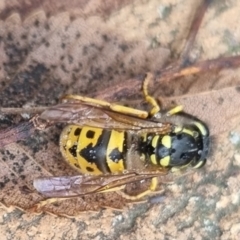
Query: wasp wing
{"type": "Point", "coordinates": [99, 116]}
{"type": "Point", "coordinates": [72, 186]}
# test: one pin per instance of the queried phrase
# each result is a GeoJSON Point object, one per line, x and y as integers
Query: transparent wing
{"type": "Point", "coordinates": [76, 112]}
{"type": "Point", "coordinates": [70, 186]}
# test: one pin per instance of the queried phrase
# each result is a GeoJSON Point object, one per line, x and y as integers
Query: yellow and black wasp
{"type": "Point", "coordinates": [112, 145]}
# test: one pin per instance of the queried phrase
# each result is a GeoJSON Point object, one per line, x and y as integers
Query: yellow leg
{"type": "Point", "coordinates": [151, 190]}
{"type": "Point", "coordinates": [175, 110]}
{"type": "Point", "coordinates": [126, 110]}
{"type": "Point", "coordinates": [151, 100]}
{"type": "Point", "coordinates": [113, 189]}
{"type": "Point", "coordinates": [106, 105]}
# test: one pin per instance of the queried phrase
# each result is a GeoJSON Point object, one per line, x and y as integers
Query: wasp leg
{"type": "Point", "coordinates": [49, 201]}
{"type": "Point", "coordinates": [151, 100]}
{"type": "Point", "coordinates": [106, 105]}
{"type": "Point", "coordinates": [111, 189]}
{"type": "Point", "coordinates": [175, 110]}
{"type": "Point", "coordinates": [151, 190]}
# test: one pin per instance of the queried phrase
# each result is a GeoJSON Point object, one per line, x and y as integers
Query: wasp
{"type": "Point", "coordinates": [112, 145]}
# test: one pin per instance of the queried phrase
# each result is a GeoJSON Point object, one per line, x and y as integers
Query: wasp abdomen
{"type": "Point", "coordinates": [94, 150]}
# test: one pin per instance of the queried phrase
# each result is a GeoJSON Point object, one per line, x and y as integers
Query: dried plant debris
{"type": "Point", "coordinates": [103, 50]}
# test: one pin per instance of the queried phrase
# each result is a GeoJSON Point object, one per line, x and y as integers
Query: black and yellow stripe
{"type": "Point", "coordinates": [178, 148]}
{"type": "Point", "coordinates": [94, 150]}
{"type": "Point", "coordinates": [100, 151]}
